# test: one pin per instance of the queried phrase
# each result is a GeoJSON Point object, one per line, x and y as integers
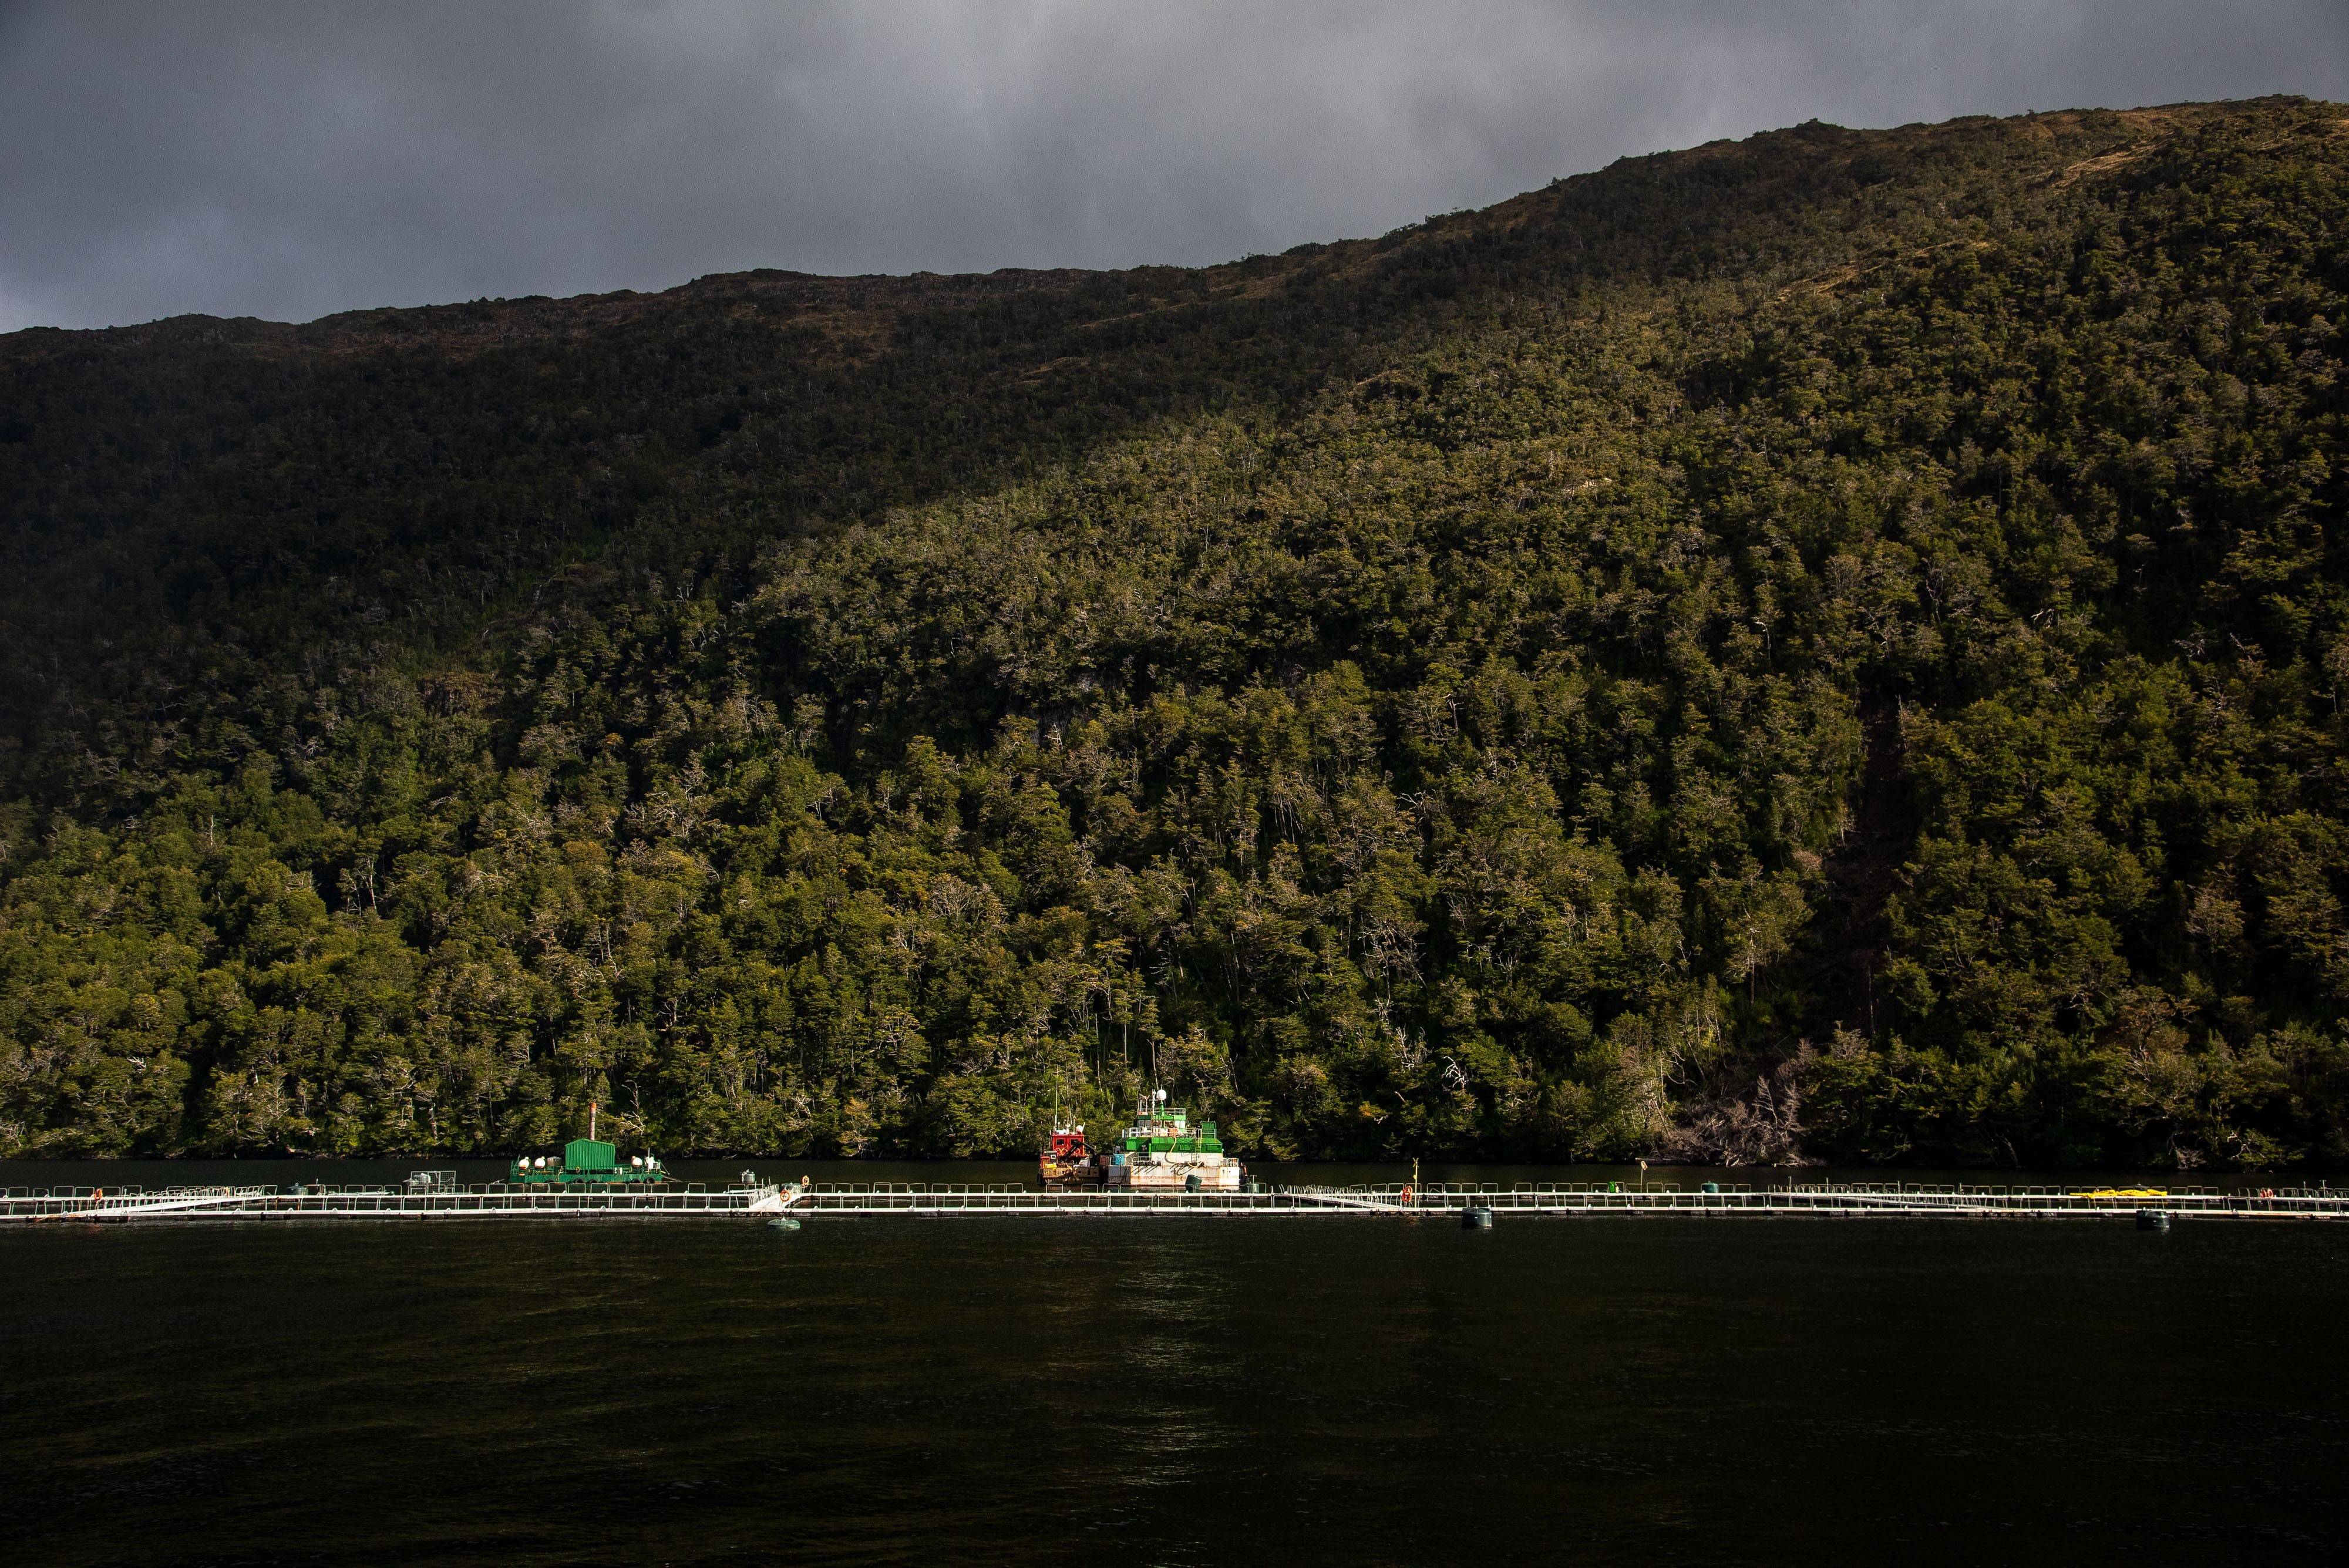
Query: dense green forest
{"type": "Point", "coordinates": [1824, 647]}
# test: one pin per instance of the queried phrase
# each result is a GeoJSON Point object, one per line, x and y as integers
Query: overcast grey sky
{"type": "Point", "coordinates": [287, 160]}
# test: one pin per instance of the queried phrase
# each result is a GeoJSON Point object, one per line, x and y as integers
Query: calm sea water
{"type": "Point", "coordinates": [1179, 1391]}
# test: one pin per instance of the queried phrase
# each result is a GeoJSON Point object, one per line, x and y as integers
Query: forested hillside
{"type": "Point", "coordinates": [1826, 646]}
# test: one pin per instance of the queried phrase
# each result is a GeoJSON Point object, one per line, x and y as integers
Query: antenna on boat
{"type": "Point", "coordinates": [591, 1121]}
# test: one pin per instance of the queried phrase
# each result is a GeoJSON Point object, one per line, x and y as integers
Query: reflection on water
{"type": "Point", "coordinates": [1170, 1390]}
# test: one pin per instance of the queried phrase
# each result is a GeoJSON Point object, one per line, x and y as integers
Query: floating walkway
{"type": "Point", "coordinates": [435, 1195]}
{"type": "Point", "coordinates": [415, 1201]}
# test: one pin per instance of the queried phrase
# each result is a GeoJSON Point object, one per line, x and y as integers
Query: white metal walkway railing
{"type": "Point", "coordinates": [442, 1201]}
{"type": "Point", "coordinates": [323, 1202]}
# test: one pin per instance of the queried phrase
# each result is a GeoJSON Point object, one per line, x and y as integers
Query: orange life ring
{"type": "Point", "coordinates": [1407, 1195]}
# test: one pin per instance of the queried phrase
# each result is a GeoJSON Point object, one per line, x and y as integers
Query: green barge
{"type": "Point", "coordinates": [587, 1161]}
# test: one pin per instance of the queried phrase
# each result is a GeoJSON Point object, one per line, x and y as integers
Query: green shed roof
{"type": "Point", "coordinates": [589, 1154]}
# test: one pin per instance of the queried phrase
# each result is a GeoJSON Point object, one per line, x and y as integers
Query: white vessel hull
{"type": "Point", "coordinates": [1173, 1173]}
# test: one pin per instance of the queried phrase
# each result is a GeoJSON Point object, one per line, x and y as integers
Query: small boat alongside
{"type": "Point", "coordinates": [1068, 1159]}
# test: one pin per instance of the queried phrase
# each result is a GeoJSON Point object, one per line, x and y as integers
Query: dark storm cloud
{"type": "Point", "coordinates": [287, 160]}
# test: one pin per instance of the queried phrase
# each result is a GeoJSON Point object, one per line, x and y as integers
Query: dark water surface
{"type": "Point", "coordinates": [1173, 1390]}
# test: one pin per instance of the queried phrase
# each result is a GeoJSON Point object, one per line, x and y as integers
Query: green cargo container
{"type": "Point", "coordinates": [586, 1153]}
